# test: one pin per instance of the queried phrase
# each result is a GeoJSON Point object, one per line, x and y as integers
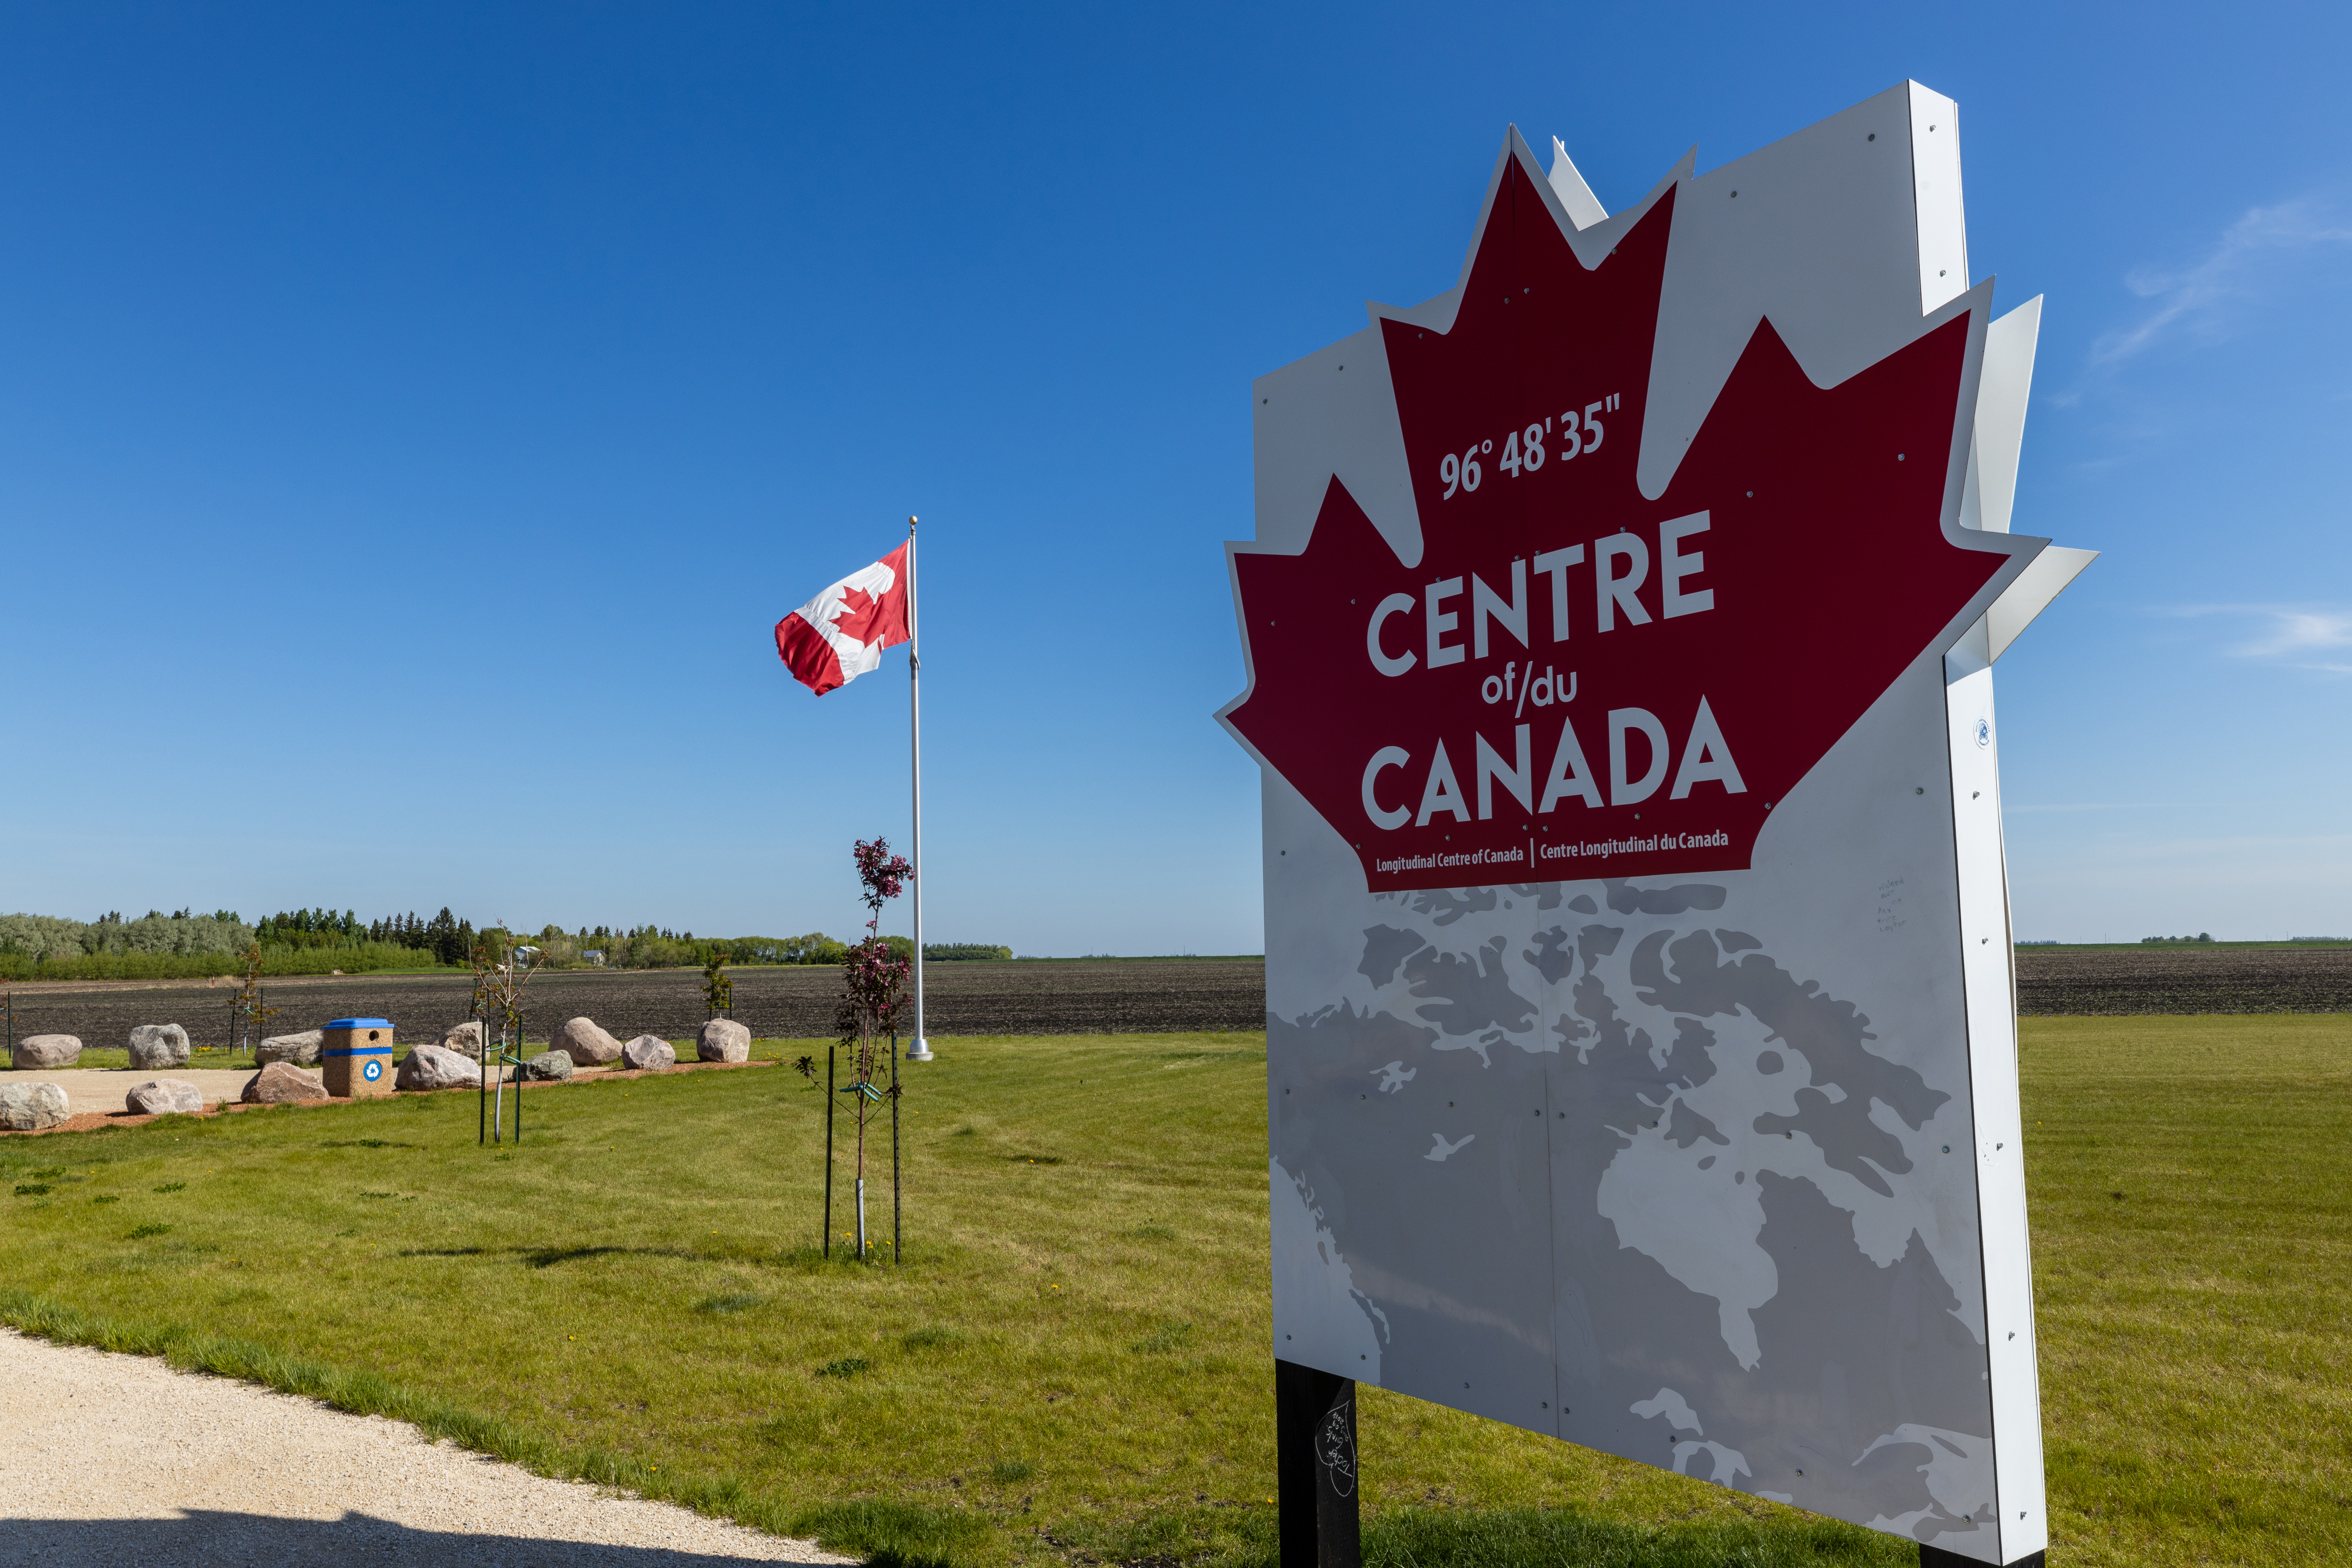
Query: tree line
{"type": "Point", "coordinates": [655, 947]}
{"type": "Point", "coordinates": [183, 934]}
{"type": "Point", "coordinates": [314, 941]}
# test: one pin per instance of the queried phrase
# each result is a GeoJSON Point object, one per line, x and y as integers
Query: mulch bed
{"type": "Point", "coordinates": [98, 1121]}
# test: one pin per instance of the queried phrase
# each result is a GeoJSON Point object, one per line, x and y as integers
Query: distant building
{"type": "Point", "coordinates": [594, 955]}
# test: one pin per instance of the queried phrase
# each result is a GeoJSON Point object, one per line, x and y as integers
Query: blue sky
{"type": "Point", "coordinates": [412, 419]}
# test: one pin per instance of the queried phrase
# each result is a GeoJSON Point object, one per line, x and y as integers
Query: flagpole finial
{"type": "Point", "coordinates": [911, 522]}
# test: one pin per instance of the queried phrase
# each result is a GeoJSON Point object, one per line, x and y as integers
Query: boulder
{"type": "Point", "coordinates": [30, 1107]}
{"type": "Point", "coordinates": [645, 1052]}
{"type": "Point", "coordinates": [587, 1044]}
{"type": "Point", "coordinates": [549, 1065]}
{"type": "Point", "coordinates": [282, 1083]}
{"type": "Point", "coordinates": [466, 1038]}
{"type": "Point", "coordinates": [301, 1049]}
{"type": "Point", "coordinates": [724, 1040]}
{"type": "Point", "coordinates": [435, 1067]}
{"type": "Point", "coordinates": [46, 1051]}
{"type": "Point", "coordinates": [158, 1045]}
{"type": "Point", "coordinates": [163, 1097]}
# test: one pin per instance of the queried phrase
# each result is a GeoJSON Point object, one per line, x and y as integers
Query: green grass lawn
{"type": "Point", "coordinates": [1072, 1363]}
{"type": "Point", "coordinates": [2190, 1183]}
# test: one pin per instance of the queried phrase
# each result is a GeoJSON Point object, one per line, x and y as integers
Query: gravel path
{"type": "Point", "coordinates": [108, 1460]}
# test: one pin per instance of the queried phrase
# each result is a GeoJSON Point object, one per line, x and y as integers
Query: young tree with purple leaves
{"type": "Point", "coordinates": [873, 996]}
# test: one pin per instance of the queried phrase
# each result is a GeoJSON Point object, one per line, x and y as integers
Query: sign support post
{"type": "Point", "coordinates": [1314, 1466]}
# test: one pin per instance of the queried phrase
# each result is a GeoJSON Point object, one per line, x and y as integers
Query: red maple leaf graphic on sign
{"type": "Point", "coordinates": [1578, 681]}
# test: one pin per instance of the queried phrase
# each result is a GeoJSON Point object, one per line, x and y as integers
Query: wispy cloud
{"type": "Point", "coordinates": [2296, 636]}
{"type": "Point", "coordinates": [2189, 296]}
{"type": "Point", "coordinates": [2116, 806]}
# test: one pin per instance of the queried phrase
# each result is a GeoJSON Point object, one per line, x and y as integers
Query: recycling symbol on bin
{"type": "Point", "coordinates": [372, 1071]}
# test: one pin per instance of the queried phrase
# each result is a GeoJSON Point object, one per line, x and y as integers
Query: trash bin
{"type": "Point", "coordinates": [355, 1058]}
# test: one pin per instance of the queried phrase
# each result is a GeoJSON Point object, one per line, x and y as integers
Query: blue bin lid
{"type": "Point", "coordinates": [361, 1024]}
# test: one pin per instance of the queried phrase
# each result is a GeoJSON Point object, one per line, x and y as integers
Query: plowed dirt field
{"type": "Point", "coordinates": [1081, 997]}
{"type": "Point", "coordinates": [2101, 980]}
{"type": "Point", "coordinates": [1089, 997]}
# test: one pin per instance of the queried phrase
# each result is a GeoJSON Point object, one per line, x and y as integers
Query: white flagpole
{"type": "Point", "coordinates": [919, 1049]}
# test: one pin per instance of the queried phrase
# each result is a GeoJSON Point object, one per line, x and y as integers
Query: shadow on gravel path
{"type": "Point", "coordinates": [202, 1538]}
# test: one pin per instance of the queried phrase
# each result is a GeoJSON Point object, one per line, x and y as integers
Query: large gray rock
{"type": "Point", "coordinates": [587, 1044]}
{"type": "Point", "coordinates": [163, 1097]}
{"type": "Point", "coordinates": [464, 1037]}
{"type": "Point", "coordinates": [431, 1067]}
{"type": "Point", "coordinates": [724, 1040]}
{"type": "Point", "coordinates": [158, 1045]}
{"type": "Point", "coordinates": [46, 1051]}
{"type": "Point", "coordinates": [30, 1107]}
{"type": "Point", "coordinates": [282, 1083]}
{"type": "Point", "coordinates": [301, 1049]}
{"type": "Point", "coordinates": [549, 1065]}
{"type": "Point", "coordinates": [647, 1053]}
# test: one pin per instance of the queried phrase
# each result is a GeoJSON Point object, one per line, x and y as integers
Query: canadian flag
{"type": "Point", "coordinates": [840, 635]}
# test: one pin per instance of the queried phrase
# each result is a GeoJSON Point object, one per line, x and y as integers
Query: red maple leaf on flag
{"type": "Point", "coordinates": [867, 618]}
{"type": "Point", "coordinates": [1577, 679]}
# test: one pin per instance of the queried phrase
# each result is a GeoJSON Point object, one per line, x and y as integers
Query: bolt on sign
{"type": "Point", "coordinates": [1620, 629]}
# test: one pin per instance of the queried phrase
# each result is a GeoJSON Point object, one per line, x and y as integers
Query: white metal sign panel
{"type": "Point", "coordinates": [1641, 1031]}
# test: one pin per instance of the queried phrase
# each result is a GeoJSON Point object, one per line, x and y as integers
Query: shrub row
{"type": "Point", "coordinates": [365, 958]}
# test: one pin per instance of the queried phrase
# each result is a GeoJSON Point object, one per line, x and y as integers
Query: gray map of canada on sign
{"type": "Point", "coordinates": [1751, 1276]}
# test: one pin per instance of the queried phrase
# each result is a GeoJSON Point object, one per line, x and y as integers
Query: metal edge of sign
{"type": "Point", "coordinates": [1988, 1004]}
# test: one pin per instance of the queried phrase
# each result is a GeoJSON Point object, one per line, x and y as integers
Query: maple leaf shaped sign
{"type": "Point", "coordinates": [1578, 681]}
